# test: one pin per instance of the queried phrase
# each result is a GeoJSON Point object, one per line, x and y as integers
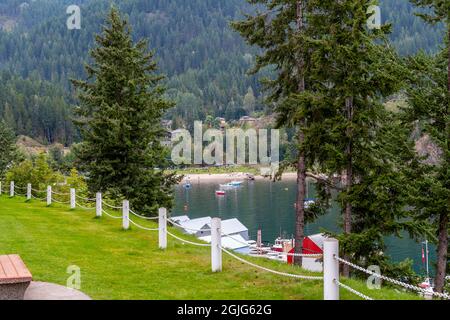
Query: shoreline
{"type": "Point", "coordinates": [228, 177]}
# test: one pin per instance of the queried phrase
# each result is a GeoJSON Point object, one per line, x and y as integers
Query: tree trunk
{"type": "Point", "coordinates": [349, 178]}
{"type": "Point", "coordinates": [442, 252]}
{"type": "Point", "coordinates": [301, 163]}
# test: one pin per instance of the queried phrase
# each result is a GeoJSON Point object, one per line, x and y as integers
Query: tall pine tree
{"type": "Point", "coordinates": [432, 89]}
{"type": "Point", "coordinates": [428, 108]}
{"type": "Point", "coordinates": [279, 30]}
{"type": "Point", "coordinates": [121, 105]}
{"type": "Point", "coordinates": [352, 70]}
{"type": "Point", "coordinates": [8, 149]}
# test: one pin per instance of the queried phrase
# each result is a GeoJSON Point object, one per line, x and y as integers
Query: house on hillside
{"type": "Point", "coordinates": [247, 120]}
{"type": "Point", "coordinates": [222, 123]}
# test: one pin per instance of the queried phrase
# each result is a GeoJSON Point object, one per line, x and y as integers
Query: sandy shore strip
{"type": "Point", "coordinates": [228, 177]}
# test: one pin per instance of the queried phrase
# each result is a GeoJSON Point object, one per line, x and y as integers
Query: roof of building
{"type": "Point", "coordinates": [191, 226]}
{"type": "Point", "coordinates": [318, 239]}
{"type": "Point", "coordinates": [247, 118]}
{"type": "Point", "coordinates": [229, 242]}
{"type": "Point", "coordinates": [232, 226]}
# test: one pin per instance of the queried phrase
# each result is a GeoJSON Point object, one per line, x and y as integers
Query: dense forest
{"type": "Point", "coordinates": [205, 62]}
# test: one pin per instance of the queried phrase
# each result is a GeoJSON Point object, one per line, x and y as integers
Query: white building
{"type": "Point", "coordinates": [230, 227]}
{"type": "Point", "coordinates": [234, 242]}
{"type": "Point", "coordinates": [201, 228]}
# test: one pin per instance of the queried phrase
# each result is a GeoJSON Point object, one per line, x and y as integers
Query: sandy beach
{"type": "Point", "coordinates": [227, 177]}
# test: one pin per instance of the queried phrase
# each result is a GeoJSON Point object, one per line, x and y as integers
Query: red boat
{"type": "Point", "coordinates": [220, 192]}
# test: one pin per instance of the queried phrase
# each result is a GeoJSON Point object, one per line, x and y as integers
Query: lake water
{"type": "Point", "coordinates": [269, 206]}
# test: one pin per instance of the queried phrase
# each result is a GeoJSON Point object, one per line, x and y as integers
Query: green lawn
{"type": "Point", "coordinates": [117, 264]}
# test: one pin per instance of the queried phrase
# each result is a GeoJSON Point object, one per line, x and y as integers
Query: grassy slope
{"type": "Point", "coordinates": [117, 264]}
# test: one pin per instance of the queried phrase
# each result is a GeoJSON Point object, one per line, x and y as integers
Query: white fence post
{"type": "Point", "coordinates": [29, 191]}
{"type": "Point", "coordinates": [216, 245]}
{"type": "Point", "coordinates": [125, 215]}
{"type": "Point", "coordinates": [11, 189]}
{"type": "Point", "coordinates": [72, 198]}
{"type": "Point", "coordinates": [0, 188]}
{"type": "Point", "coordinates": [49, 195]}
{"type": "Point", "coordinates": [162, 223]}
{"type": "Point", "coordinates": [98, 204]}
{"type": "Point", "coordinates": [330, 269]}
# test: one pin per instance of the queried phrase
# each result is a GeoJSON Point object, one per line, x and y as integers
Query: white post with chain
{"type": "Point", "coordinates": [162, 224]}
{"type": "Point", "coordinates": [330, 269]}
{"type": "Point", "coordinates": [28, 191]}
{"type": "Point", "coordinates": [72, 198]}
{"type": "Point", "coordinates": [49, 195]}
{"type": "Point", "coordinates": [126, 215]}
{"type": "Point", "coordinates": [216, 245]}
{"type": "Point", "coordinates": [98, 205]}
{"type": "Point", "coordinates": [11, 189]}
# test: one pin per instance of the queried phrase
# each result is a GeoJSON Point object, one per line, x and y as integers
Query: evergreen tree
{"type": "Point", "coordinates": [279, 31]}
{"type": "Point", "coordinates": [429, 108]}
{"type": "Point", "coordinates": [249, 100]}
{"type": "Point", "coordinates": [119, 117]}
{"type": "Point", "coordinates": [352, 70]}
{"type": "Point", "coordinates": [8, 149]}
{"type": "Point", "coordinates": [435, 80]}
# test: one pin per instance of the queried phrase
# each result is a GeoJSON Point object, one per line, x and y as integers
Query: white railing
{"type": "Point", "coordinates": [331, 259]}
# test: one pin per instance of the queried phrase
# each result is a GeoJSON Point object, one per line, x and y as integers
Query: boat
{"type": "Point", "coordinates": [187, 185]}
{"type": "Point", "coordinates": [226, 186]}
{"type": "Point", "coordinates": [250, 177]}
{"type": "Point", "coordinates": [220, 193]}
{"type": "Point", "coordinates": [426, 284]}
{"type": "Point", "coordinates": [282, 244]}
{"type": "Point", "coordinates": [235, 183]}
{"type": "Point", "coordinates": [308, 203]}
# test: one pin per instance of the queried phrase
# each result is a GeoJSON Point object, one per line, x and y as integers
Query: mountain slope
{"type": "Point", "coordinates": [205, 61]}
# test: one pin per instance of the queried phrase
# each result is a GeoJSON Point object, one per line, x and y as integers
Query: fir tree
{"type": "Point", "coordinates": [279, 30]}
{"type": "Point", "coordinates": [429, 109]}
{"type": "Point", "coordinates": [432, 79]}
{"type": "Point", "coordinates": [119, 117]}
{"type": "Point", "coordinates": [352, 70]}
{"type": "Point", "coordinates": [8, 149]}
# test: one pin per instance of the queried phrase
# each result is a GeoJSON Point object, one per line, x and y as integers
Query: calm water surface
{"type": "Point", "coordinates": [269, 206]}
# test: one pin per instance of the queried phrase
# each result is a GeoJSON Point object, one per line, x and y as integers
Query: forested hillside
{"type": "Point", "coordinates": [204, 60]}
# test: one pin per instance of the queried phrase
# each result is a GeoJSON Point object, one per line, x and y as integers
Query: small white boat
{"type": "Point", "coordinates": [236, 183]}
{"type": "Point", "coordinates": [308, 203]}
{"type": "Point", "coordinates": [226, 186]}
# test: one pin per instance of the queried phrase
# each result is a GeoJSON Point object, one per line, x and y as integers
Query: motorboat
{"type": "Point", "coordinates": [226, 186]}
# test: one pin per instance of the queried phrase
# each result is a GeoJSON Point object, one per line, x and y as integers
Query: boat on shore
{"type": "Point", "coordinates": [226, 186]}
{"type": "Point", "coordinates": [231, 185]}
